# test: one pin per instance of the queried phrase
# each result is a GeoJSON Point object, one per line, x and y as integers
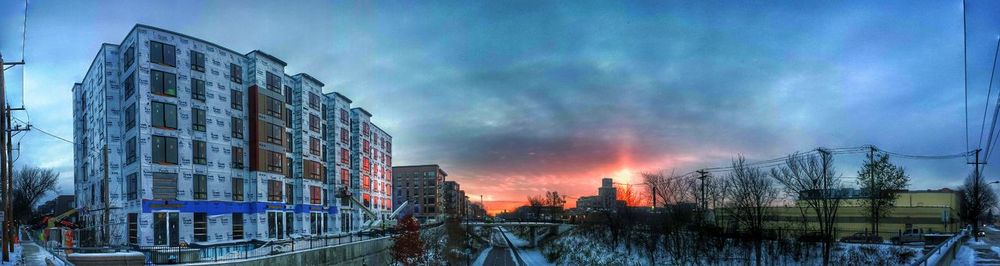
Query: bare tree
{"type": "Point", "coordinates": [30, 185]}
{"type": "Point", "coordinates": [669, 189]}
{"type": "Point", "coordinates": [629, 194]}
{"type": "Point", "coordinates": [536, 202]}
{"type": "Point", "coordinates": [553, 199]}
{"type": "Point", "coordinates": [880, 183]}
{"type": "Point", "coordinates": [750, 193]}
{"type": "Point", "coordinates": [976, 196]}
{"type": "Point", "coordinates": [813, 184]}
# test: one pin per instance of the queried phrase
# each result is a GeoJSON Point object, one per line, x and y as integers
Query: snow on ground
{"type": "Point", "coordinates": [530, 256]}
{"type": "Point", "coordinates": [482, 256]}
{"type": "Point", "coordinates": [15, 256]}
{"type": "Point", "coordinates": [965, 256]}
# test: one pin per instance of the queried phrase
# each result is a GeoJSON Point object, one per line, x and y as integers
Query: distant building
{"type": "Point", "coordinates": [57, 206]}
{"type": "Point", "coordinates": [454, 198]}
{"type": "Point", "coordinates": [928, 210]}
{"type": "Point", "coordinates": [606, 198]}
{"type": "Point", "coordinates": [422, 186]}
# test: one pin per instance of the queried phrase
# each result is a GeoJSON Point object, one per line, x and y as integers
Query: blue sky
{"type": "Point", "coordinates": [517, 98]}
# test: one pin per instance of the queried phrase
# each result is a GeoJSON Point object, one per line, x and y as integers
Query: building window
{"type": "Point", "coordinates": [164, 150]}
{"type": "Point", "coordinates": [133, 186]}
{"type": "Point", "coordinates": [314, 146]}
{"type": "Point", "coordinates": [237, 125]}
{"type": "Point", "coordinates": [289, 225]}
{"type": "Point", "coordinates": [200, 187]}
{"type": "Point", "coordinates": [165, 186]}
{"type": "Point", "coordinates": [314, 195]}
{"type": "Point", "coordinates": [162, 53]}
{"type": "Point", "coordinates": [236, 100]}
{"type": "Point", "coordinates": [200, 226]}
{"type": "Point", "coordinates": [237, 226]}
{"type": "Point", "coordinates": [166, 228]}
{"type": "Point", "coordinates": [343, 136]}
{"type": "Point", "coordinates": [366, 147]}
{"type": "Point", "coordinates": [163, 83]}
{"type": "Point", "coordinates": [237, 189]}
{"type": "Point", "coordinates": [345, 156]}
{"type": "Point", "coordinates": [164, 115]}
{"type": "Point", "coordinates": [273, 82]}
{"type": "Point", "coordinates": [274, 161]}
{"type": "Point", "coordinates": [198, 119]}
{"type": "Point", "coordinates": [313, 170]}
{"type": "Point", "coordinates": [129, 56]}
{"type": "Point", "coordinates": [197, 61]}
{"type": "Point", "coordinates": [198, 89]}
{"type": "Point", "coordinates": [314, 124]}
{"type": "Point", "coordinates": [274, 107]}
{"type": "Point", "coordinates": [345, 177]}
{"type": "Point", "coordinates": [133, 228]}
{"type": "Point", "coordinates": [237, 158]}
{"type": "Point", "coordinates": [274, 133]}
{"type": "Point", "coordinates": [129, 85]}
{"type": "Point", "coordinates": [288, 117]}
{"type": "Point", "coordinates": [366, 166]}
{"type": "Point", "coordinates": [130, 116]}
{"type": "Point", "coordinates": [343, 116]}
{"type": "Point", "coordinates": [290, 196]}
{"type": "Point", "coordinates": [273, 221]}
{"type": "Point", "coordinates": [236, 73]}
{"type": "Point", "coordinates": [288, 95]}
{"type": "Point", "coordinates": [314, 101]}
{"type": "Point", "coordinates": [274, 190]}
{"type": "Point", "coordinates": [200, 151]}
{"type": "Point", "coordinates": [130, 151]}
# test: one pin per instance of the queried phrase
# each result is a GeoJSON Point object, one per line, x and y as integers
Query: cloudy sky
{"type": "Point", "coordinates": [517, 98]}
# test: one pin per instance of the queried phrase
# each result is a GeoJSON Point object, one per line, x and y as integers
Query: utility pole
{"type": "Point", "coordinates": [3, 169]}
{"type": "Point", "coordinates": [976, 192]}
{"type": "Point", "coordinates": [12, 232]}
{"type": "Point", "coordinates": [6, 180]}
{"type": "Point", "coordinates": [702, 175]}
{"type": "Point", "coordinates": [654, 196]}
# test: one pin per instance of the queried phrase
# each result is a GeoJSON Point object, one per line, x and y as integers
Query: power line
{"type": "Point", "coordinates": [965, 63]}
{"type": "Point", "coordinates": [45, 132]}
{"type": "Point", "coordinates": [989, 93]}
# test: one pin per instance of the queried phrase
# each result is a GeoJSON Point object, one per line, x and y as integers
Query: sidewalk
{"type": "Point", "coordinates": [986, 250]}
{"type": "Point", "coordinates": [33, 254]}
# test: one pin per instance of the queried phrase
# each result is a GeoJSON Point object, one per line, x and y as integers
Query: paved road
{"type": "Point", "coordinates": [985, 255]}
{"type": "Point", "coordinates": [501, 254]}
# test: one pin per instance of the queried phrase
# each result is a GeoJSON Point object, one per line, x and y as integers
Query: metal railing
{"type": "Point", "coordinates": [945, 248]}
{"type": "Point", "coordinates": [195, 253]}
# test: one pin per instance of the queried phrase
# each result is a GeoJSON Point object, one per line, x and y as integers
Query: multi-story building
{"type": "Point", "coordinates": [338, 158]}
{"type": "Point", "coordinates": [180, 140]}
{"type": "Point", "coordinates": [453, 198]}
{"type": "Point", "coordinates": [371, 163]}
{"type": "Point", "coordinates": [421, 186]}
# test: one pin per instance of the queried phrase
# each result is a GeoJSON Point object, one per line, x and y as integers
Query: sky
{"type": "Point", "coordinates": [516, 98]}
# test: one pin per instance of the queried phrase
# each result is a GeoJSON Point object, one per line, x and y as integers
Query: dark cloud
{"type": "Point", "coordinates": [516, 98]}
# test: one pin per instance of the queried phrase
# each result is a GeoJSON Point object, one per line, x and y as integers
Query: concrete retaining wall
{"type": "Point", "coordinates": [371, 252]}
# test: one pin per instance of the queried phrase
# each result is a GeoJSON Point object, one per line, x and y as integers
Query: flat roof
{"type": "Point", "coordinates": [181, 34]}
{"type": "Point", "coordinates": [268, 57]}
{"type": "Point", "coordinates": [362, 110]}
{"type": "Point", "coordinates": [422, 165]}
{"type": "Point", "coordinates": [307, 76]}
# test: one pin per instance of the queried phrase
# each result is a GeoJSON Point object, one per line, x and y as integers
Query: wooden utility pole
{"type": "Point", "coordinates": [702, 175]}
{"type": "Point", "coordinates": [11, 230]}
{"type": "Point", "coordinates": [3, 168]}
